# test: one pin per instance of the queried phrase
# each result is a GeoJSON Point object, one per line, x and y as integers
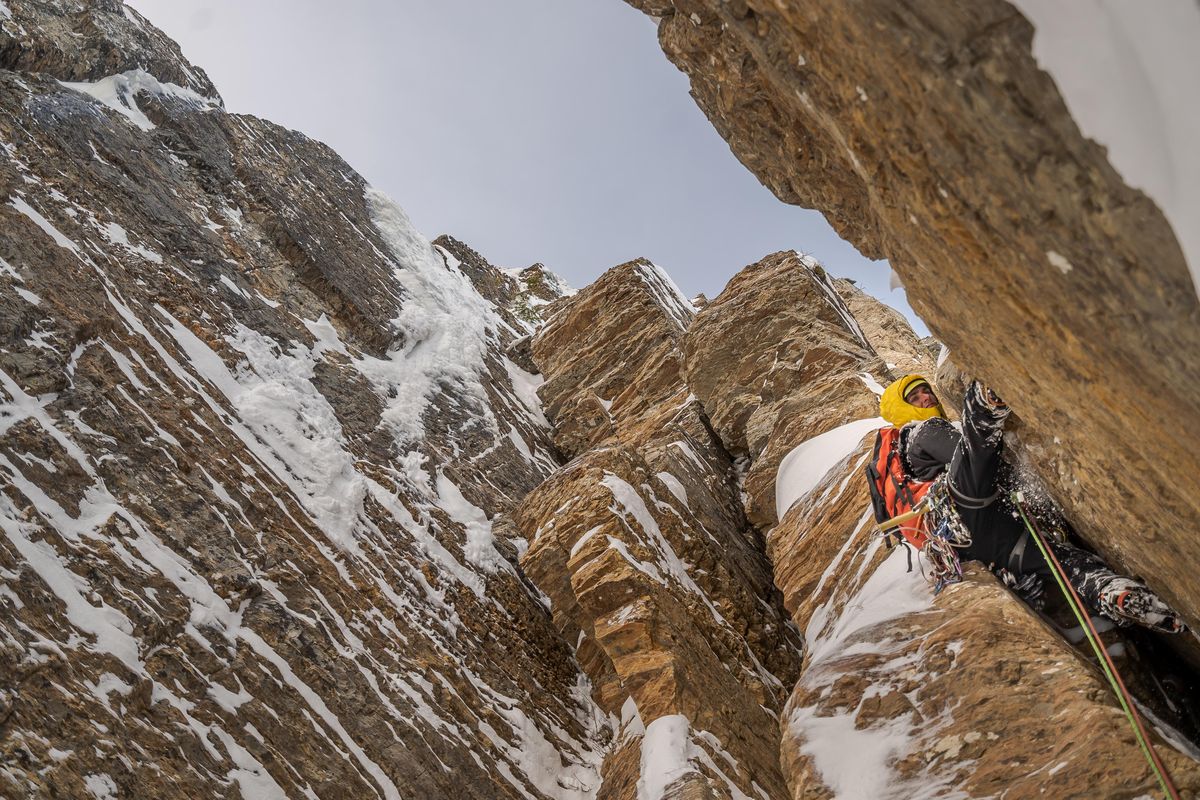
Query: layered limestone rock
{"type": "Point", "coordinates": [254, 433]}
{"type": "Point", "coordinates": [796, 349]}
{"type": "Point", "coordinates": [928, 136]}
{"type": "Point", "coordinates": [643, 549]}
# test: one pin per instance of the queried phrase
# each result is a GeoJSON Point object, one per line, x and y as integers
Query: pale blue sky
{"type": "Point", "coordinates": [533, 130]}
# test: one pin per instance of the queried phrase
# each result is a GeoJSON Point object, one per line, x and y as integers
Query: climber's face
{"type": "Point", "coordinates": [921, 396]}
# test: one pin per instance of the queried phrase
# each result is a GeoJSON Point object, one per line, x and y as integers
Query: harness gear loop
{"type": "Point", "coordinates": [973, 503]}
{"type": "Point", "coordinates": [1106, 663]}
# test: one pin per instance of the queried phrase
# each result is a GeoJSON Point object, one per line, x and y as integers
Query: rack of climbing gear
{"type": "Point", "coordinates": [1106, 662]}
{"type": "Point", "coordinates": [936, 523]}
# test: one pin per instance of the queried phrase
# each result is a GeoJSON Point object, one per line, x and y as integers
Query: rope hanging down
{"type": "Point", "coordinates": [1110, 669]}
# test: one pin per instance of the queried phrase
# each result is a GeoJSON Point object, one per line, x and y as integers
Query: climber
{"type": "Point", "coordinates": [922, 445]}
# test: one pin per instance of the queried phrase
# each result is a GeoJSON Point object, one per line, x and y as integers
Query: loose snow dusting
{"type": "Point", "coordinates": [119, 92]}
{"type": "Point", "coordinates": [1128, 74]}
{"type": "Point", "coordinates": [803, 468]}
{"type": "Point", "coordinates": [667, 294]}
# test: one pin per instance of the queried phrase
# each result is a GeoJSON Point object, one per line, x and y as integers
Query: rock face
{"type": "Point", "coordinates": [889, 333]}
{"type": "Point", "coordinates": [254, 434]}
{"type": "Point", "coordinates": [643, 548]}
{"type": "Point", "coordinates": [798, 355]}
{"type": "Point", "coordinates": [904, 695]}
{"type": "Point", "coordinates": [928, 136]}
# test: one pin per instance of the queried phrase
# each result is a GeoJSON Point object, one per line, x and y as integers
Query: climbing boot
{"type": "Point", "coordinates": [1130, 602]}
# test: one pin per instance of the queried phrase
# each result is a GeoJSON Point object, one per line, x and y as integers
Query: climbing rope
{"type": "Point", "coordinates": [1106, 663]}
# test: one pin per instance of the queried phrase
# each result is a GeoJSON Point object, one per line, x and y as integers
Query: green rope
{"type": "Point", "coordinates": [1101, 655]}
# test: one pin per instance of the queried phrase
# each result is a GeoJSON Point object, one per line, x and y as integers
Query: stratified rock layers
{"type": "Point", "coordinates": [927, 135]}
{"type": "Point", "coordinates": [254, 434]}
{"type": "Point", "coordinates": [642, 546]}
{"type": "Point", "coordinates": [282, 513]}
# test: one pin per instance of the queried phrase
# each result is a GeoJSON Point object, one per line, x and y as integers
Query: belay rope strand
{"type": "Point", "coordinates": [1110, 669]}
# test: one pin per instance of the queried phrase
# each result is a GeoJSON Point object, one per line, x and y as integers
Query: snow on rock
{"type": "Point", "coordinates": [251, 471]}
{"type": "Point", "coordinates": [671, 754]}
{"type": "Point", "coordinates": [18, 202]}
{"type": "Point", "coordinates": [446, 325]}
{"type": "Point", "coordinates": [667, 294]}
{"type": "Point", "coordinates": [119, 92]}
{"type": "Point", "coordinates": [803, 469]}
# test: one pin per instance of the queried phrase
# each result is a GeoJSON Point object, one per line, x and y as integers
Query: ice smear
{"type": "Point", "coordinates": [674, 486]}
{"type": "Point", "coordinates": [1128, 72]}
{"type": "Point", "coordinates": [119, 92]}
{"type": "Point", "coordinates": [445, 324]}
{"type": "Point", "coordinates": [891, 591]}
{"type": "Point", "coordinates": [480, 546]}
{"type": "Point", "coordinates": [803, 468]}
{"type": "Point", "coordinates": [525, 386]}
{"type": "Point", "coordinates": [294, 427]}
{"type": "Point", "coordinates": [4, 12]}
{"type": "Point", "coordinates": [857, 762]}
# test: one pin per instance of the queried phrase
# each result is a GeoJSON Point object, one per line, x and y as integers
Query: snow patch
{"type": "Point", "coordinates": [1059, 261]}
{"type": "Point", "coordinates": [806, 465]}
{"type": "Point", "coordinates": [1128, 72]}
{"type": "Point", "coordinates": [119, 92]}
{"type": "Point", "coordinates": [18, 202]}
{"type": "Point", "coordinates": [100, 785]}
{"type": "Point", "coordinates": [869, 381]}
{"type": "Point", "coordinates": [115, 234]}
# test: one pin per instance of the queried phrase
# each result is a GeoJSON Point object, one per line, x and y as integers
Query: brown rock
{"type": "Point", "coordinates": [641, 543]}
{"type": "Point", "coordinates": [795, 358]}
{"type": "Point", "coordinates": [928, 135]}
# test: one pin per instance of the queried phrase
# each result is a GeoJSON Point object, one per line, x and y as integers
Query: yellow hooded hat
{"type": "Point", "coordinates": [897, 411]}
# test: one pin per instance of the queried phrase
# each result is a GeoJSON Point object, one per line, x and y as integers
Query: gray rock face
{"type": "Point", "coordinates": [254, 431]}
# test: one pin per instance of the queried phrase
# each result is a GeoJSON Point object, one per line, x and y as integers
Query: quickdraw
{"type": "Point", "coordinates": [935, 521]}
